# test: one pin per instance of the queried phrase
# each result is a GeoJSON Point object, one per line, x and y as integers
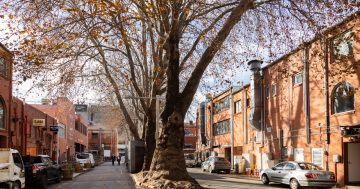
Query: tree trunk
{"type": "Point", "coordinates": [168, 169]}
{"type": "Point", "coordinates": [150, 140]}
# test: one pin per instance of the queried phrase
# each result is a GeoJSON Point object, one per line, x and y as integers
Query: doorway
{"type": "Point", "coordinates": [228, 154]}
{"type": "Point", "coordinates": [352, 160]}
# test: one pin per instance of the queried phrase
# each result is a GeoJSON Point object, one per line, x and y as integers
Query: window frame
{"type": "Point", "coordinates": [273, 86]}
{"type": "Point", "coordinates": [334, 110]}
{"type": "Point", "coordinates": [3, 72]}
{"type": "Point", "coordinates": [4, 112]}
{"type": "Point", "coordinates": [294, 79]}
{"type": "Point", "coordinates": [238, 107]}
{"type": "Point", "coordinates": [267, 91]}
{"type": "Point", "coordinates": [333, 57]}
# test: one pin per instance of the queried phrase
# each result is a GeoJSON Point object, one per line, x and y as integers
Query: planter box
{"type": "Point", "coordinates": [67, 174]}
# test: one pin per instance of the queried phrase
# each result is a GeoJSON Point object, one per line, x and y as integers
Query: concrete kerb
{"type": "Point", "coordinates": [84, 171]}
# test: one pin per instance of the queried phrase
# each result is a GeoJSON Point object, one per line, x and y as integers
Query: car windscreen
{"type": "Point", "coordinates": [4, 156]}
{"type": "Point", "coordinates": [189, 157]}
{"type": "Point", "coordinates": [309, 166]}
{"type": "Point", "coordinates": [82, 156]}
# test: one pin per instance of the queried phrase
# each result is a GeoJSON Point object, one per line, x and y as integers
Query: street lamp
{"type": "Point", "coordinates": [157, 110]}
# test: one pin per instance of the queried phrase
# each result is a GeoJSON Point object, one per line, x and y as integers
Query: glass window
{"type": "Point", "coordinates": [290, 166]}
{"type": "Point", "coordinates": [273, 89]}
{"type": "Point", "coordinates": [2, 114]}
{"type": "Point", "coordinates": [343, 98]}
{"type": "Point", "coordinates": [238, 106]}
{"type": "Point", "coordinates": [297, 79]}
{"type": "Point", "coordinates": [17, 160]}
{"type": "Point", "coordinates": [342, 46]}
{"type": "Point", "coordinates": [222, 104]}
{"type": "Point", "coordinates": [2, 66]}
{"type": "Point", "coordinates": [309, 166]}
{"type": "Point", "coordinates": [280, 166]}
{"type": "Point", "coordinates": [267, 91]}
{"type": "Point", "coordinates": [317, 156]}
{"type": "Point", "coordinates": [222, 127]}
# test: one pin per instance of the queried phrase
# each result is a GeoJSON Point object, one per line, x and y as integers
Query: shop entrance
{"type": "Point", "coordinates": [352, 160]}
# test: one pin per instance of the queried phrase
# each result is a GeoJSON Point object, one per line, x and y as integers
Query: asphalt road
{"type": "Point", "coordinates": [105, 176]}
{"type": "Point", "coordinates": [225, 181]}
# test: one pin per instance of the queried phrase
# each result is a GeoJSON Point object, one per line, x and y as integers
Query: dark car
{"type": "Point", "coordinates": [39, 170]}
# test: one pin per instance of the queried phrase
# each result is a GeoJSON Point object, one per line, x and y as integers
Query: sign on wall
{"type": "Point", "coordinates": [39, 122]}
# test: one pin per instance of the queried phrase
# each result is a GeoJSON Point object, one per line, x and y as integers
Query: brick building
{"type": "Point", "coordinates": [303, 106]}
{"type": "Point", "coordinates": [72, 128]}
{"type": "Point", "coordinates": [5, 95]}
{"type": "Point", "coordinates": [190, 138]}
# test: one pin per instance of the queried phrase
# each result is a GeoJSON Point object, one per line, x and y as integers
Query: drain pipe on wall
{"type": "Point", "coordinates": [326, 94]}
{"type": "Point", "coordinates": [306, 92]}
{"type": "Point", "coordinates": [231, 128]}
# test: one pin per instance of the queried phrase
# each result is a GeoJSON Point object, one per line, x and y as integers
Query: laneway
{"type": "Point", "coordinates": [221, 181]}
{"type": "Point", "coordinates": [105, 176]}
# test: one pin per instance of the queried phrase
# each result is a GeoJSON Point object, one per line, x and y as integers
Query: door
{"type": "Point", "coordinates": [275, 173]}
{"type": "Point", "coordinates": [353, 162]}
{"type": "Point", "coordinates": [286, 173]}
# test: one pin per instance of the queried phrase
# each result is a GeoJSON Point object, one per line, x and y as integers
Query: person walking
{"type": "Point", "coordinates": [118, 160]}
{"type": "Point", "coordinates": [113, 159]}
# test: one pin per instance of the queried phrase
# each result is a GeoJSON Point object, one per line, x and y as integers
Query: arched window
{"type": "Point", "coordinates": [2, 114]}
{"type": "Point", "coordinates": [343, 98]}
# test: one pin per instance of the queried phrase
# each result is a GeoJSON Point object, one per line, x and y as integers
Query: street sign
{"type": "Point", "coordinates": [54, 128]}
{"type": "Point", "coordinates": [38, 122]}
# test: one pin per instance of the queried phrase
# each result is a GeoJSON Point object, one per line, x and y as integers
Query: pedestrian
{"type": "Point", "coordinates": [118, 160]}
{"type": "Point", "coordinates": [113, 159]}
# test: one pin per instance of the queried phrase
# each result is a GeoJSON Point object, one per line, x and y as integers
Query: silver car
{"type": "Point", "coordinates": [216, 164]}
{"type": "Point", "coordinates": [298, 174]}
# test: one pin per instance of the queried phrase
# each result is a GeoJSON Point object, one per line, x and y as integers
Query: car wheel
{"type": "Point", "coordinates": [58, 177]}
{"type": "Point", "coordinates": [16, 185]}
{"type": "Point", "coordinates": [43, 182]}
{"type": "Point", "coordinates": [265, 179]}
{"type": "Point", "coordinates": [294, 184]}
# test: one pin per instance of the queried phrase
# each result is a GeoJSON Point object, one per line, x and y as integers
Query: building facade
{"type": "Point", "coordinates": [190, 138]}
{"type": "Point", "coordinates": [5, 95]}
{"type": "Point", "coordinates": [303, 106]}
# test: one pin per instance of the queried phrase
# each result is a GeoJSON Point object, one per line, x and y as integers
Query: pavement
{"type": "Point", "coordinates": [104, 176]}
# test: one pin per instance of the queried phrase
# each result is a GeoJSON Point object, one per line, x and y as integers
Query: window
{"type": "Point", "coordinates": [297, 78]}
{"type": "Point", "coordinates": [289, 166]}
{"type": "Point", "coordinates": [238, 106]}
{"type": "Point", "coordinates": [17, 160]}
{"type": "Point", "coordinates": [222, 104]}
{"type": "Point", "coordinates": [317, 156]}
{"type": "Point", "coordinates": [342, 98]}
{"type": "Point", "coordinates": [222, 127]}
{"type": "Point", "coordinates": [280, 166]}
{"type": "Point", "coordinates": [61, 131]}
{"type": "Point", "coordinates": [94, 135]}
{"type": "Point", "coordinates": [2, 114]}
{"type": "Point", "coordinates": [188, 146]}
{"type": "Point", "coordinates": [341, 46]}
{"type": "Point", "coordinates": [2, 67]}
{"type": "Point", "coordinates": [273, 89]}
{"type": "Point", "coordinates": [267, 91]}
{"type": "Point", "coordinates": [248, 102]}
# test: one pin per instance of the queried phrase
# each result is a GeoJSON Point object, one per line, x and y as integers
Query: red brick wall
{"type": "Point", "coordinates": [6, 95]}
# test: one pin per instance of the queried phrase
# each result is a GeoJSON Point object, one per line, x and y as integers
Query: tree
{"type": "Point", "coordinates": [182, 38]}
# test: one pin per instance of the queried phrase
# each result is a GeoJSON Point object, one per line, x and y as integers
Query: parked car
{"type": "Point", "coordinates": [216, 164]}
{"type": "Point", "coordinates": [297, 174]}
{"type": "Point", "coordinates": [39, 170]}
{"type": "Point", "coordinates": [83, 158]}
{"type": "Point", "coordinates": [190, 160]}
{"type": "Point", "coordinates": [11, 169]}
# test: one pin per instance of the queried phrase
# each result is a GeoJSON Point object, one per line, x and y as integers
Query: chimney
{"type": "Point", "coordinates": [256, 101]}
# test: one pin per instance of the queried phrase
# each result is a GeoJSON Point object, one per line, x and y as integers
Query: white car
{"type": "Point", "coordinates": [83, 158]}
{"type": "Point", "coordinates": [11, 169]}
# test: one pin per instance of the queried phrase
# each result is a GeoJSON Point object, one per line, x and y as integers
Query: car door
{"type": "Point", "coordinates": [286, 173]}
{"type": "Point", "coordinates": [275, 173]}
{"type": "Point", "coordinates": [48, 167]}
